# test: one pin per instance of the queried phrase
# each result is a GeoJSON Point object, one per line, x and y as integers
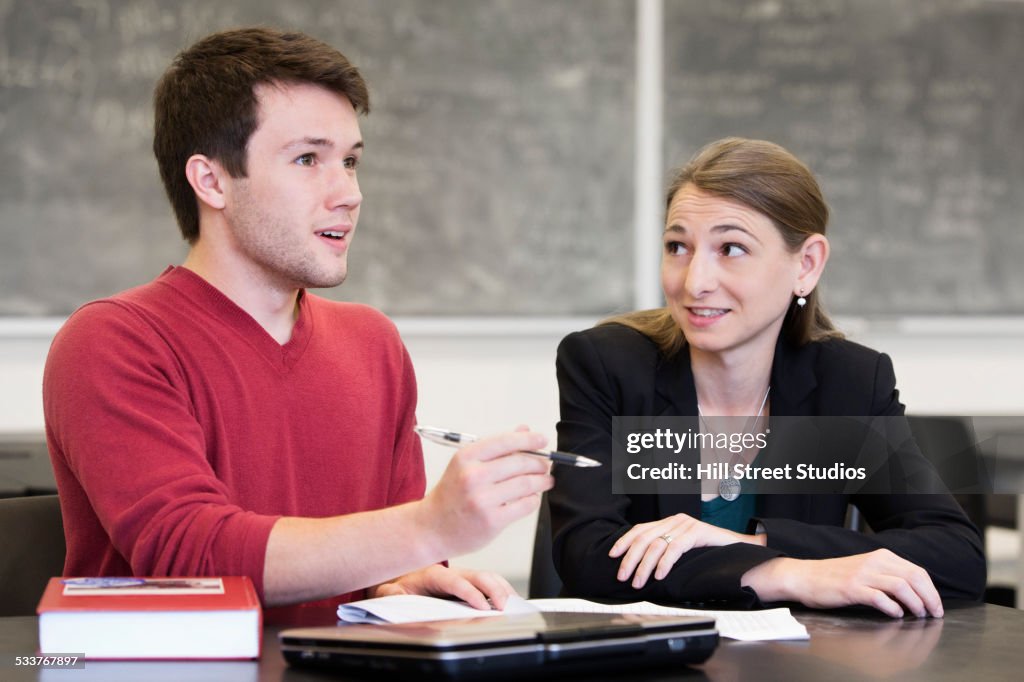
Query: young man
{"type": "Point", "coordinates": [221, 420]}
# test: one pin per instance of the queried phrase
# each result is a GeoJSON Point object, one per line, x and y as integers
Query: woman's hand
{"type": "Point", "coordinates": [879, 579]}
{"type": "Point", "coordinates": [656, 546]}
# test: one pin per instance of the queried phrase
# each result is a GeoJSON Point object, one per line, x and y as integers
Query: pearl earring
{"type": "Point", "coordinates": [801, 301]}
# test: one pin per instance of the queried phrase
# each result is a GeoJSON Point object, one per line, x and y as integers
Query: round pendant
{"type": "Point", "coordinates": [729, 489]}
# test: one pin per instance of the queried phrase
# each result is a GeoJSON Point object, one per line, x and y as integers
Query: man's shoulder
{"type": "Point", "coordinates": [357, 317]}
{"type": "Point", "coordinates": [106, 332]}
{"type": "Point", "coordinates": [124, 308]}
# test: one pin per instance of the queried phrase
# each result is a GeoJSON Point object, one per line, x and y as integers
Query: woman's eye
{"type": "Point", "coordinates": [306, 160]}
{"type": "Point", "coordinates": [733, 250]}
{"type": "Point", "coordinates": [675, 248]}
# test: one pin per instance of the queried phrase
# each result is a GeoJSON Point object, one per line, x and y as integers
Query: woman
{"type": "Point", "coordinates": [743, 333]}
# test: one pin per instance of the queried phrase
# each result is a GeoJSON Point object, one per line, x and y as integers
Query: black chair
{"type": "Point", "coordinates": [31, 551]}
{"type": "Point", "coordinates": [951, 443]}
{"type": "Point", "coordinates": [544, 580]}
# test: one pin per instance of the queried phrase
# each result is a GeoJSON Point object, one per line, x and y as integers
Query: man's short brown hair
{"type": "Point", "coordinates": [205, 103]}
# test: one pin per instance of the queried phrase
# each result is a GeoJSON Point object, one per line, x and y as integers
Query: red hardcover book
{"type": "Point", "coordinates": [151, 618]}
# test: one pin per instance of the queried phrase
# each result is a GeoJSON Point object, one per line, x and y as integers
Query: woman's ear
{"type": "Point", "coordinates": [813, 256]}
{"type": "Point", "coordinates": [206, 177]}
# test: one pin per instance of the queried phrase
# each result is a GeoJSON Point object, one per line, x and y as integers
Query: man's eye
{"type": "Point", "coordinates": [306, 160]}
{"type": "Point", "coordinates": [675, 248]}
{"type": "Point", "coordinates": [351, 162]}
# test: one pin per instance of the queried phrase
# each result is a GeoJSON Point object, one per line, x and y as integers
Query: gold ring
{"type": "Point", "coordinates": [667, 538]}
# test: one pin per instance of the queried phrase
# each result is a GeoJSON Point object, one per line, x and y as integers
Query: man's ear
{"type": "Point", "coordinates": [207, 178]}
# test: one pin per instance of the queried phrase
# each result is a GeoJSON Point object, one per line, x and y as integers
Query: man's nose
{"type": "Point", "coordinates": [344, 189]}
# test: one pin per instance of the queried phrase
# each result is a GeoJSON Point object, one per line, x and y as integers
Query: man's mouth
{"type": "Point", "coordinates": [332, 234]}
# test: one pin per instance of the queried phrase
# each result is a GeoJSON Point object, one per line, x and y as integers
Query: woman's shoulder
{"type": "Point", "coordinates": [610, 339]}
{"type": "Point", "coordinates": [615, 351]}
{"type": "Point", "coordinates": [844, 356]}
{"type": "Point", "coordinates": [852, 378]}
{"type": "Point", "coordinates": [610, 364]}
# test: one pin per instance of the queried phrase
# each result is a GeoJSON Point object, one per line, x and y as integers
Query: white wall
{"type": "Point", "coordinates": [489, 375]}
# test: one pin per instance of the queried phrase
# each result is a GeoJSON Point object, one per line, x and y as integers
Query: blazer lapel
{"type": "Point", "coordinates": [676, 396]}
{"type": "Point", "coordinates": [793, 382]}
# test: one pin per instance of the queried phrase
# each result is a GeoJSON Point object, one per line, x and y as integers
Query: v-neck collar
{"type": "Point", "coordinates": [208, 297]}
{"type": "Point", "coordinates": [792, 380]}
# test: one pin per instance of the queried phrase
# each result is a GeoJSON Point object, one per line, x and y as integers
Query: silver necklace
{"type": "Point", "coordinates": [729, 488]}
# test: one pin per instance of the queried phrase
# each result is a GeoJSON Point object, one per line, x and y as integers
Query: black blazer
{"type": "Point", "coordinates": [612, 370]}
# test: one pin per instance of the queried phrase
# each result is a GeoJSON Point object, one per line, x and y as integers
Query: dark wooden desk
{"type": "Point", "coordinates": [978, 642]}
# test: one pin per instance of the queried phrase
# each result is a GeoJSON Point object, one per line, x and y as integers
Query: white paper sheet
{"type": "Point", "coordinates": [746, 626]}
{"type": "Point", "coordinates": [413, 608]}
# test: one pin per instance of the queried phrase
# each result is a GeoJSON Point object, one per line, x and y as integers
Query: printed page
{"type": "Point", "coordinates": [412, 608]}
{"type": "Point", "coordinates": [746, 626]}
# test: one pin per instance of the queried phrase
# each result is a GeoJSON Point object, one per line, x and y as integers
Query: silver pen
{"type": "Point", "coordinates": [455, 439]}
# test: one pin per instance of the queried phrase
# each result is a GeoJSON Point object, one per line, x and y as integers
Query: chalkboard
{"type": "Point", "coordinates": [498, 174]}
{"type": "Point", "coordinates": [497, 177]}
{"type": "Point", "coordinates": [911, 113]}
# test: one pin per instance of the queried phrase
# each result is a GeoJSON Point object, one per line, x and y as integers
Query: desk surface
{"type": "Point", "coordinates": [982, 642]}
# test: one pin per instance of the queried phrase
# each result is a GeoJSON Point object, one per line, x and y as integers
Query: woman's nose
{"type": "Point", "coordinates": [701, 276]}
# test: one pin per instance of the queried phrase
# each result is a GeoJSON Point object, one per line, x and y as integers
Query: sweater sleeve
{"type": "Point", "coordinates": [587, 518]}
{"type": "Point", "coordinates": [120, 422]}
{"type": "Point", "coordinates": [930, 530]}
{"type": "Point", "coordinates": [408, 476]}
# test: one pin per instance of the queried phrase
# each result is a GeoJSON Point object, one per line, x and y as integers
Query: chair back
{"type": "Point", "coordinates": [951, 445]}
{"type": "Point", "coordinates": [544, 580]}
{"type": "Point", "coordinates": [31, 551]}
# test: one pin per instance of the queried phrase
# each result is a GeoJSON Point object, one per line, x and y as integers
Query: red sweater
{"type": "Point", "coordinates": [180, 431]}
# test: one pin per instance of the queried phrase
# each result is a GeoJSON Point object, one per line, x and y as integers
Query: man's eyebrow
{"type": "Point", "coordinates": [316, 142]}
{"type": "Point", "coordinates": [307, 142]}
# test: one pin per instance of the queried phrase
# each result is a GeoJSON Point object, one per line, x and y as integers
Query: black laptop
{"type": "Point", "coordinates": [504, 646]}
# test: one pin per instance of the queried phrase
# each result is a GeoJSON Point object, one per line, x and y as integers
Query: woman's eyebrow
{"type": "Point", "coordinates": [729, 227]}
{"type": "Point", "coordinates": [676, 228]}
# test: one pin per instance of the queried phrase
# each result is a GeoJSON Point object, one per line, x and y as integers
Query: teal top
{"type": "Point", "coordinates": [733, 515]}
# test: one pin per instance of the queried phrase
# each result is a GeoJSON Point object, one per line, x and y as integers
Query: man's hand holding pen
{"type": "Point", "coordinates": [487, 485]}
{"type": "Point", "coordinates": [455, 439]}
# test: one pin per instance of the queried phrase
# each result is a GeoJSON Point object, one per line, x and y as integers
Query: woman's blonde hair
{"type": "Point", "coordinates": [767, 178]}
